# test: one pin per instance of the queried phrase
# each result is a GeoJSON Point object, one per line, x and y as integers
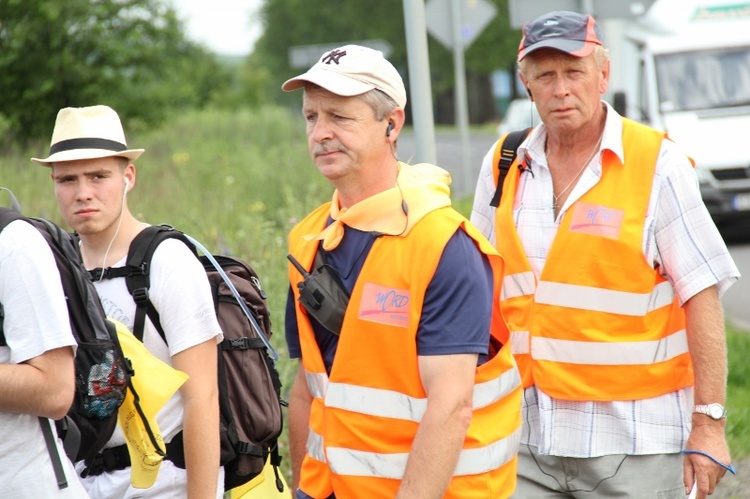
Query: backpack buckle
{"type": "Point", "coordinates": [140, 296]}
{"type": "Point", "coordinates": [240, 343]}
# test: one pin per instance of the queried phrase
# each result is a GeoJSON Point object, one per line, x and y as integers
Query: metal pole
{"type": "Point", "coordinates": [419, 82]}
{"type": "Point", "coordinates": [462, 111]}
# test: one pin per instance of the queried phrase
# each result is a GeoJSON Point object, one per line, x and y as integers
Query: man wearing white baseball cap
{"type": "Point", "coordinates": [92, 171]}
{"type": "Point", "coordinates": [353, 70]}
{"type": "Point", "coordinates": [409, 392]}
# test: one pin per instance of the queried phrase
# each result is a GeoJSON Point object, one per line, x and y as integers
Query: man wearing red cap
{"type": "Point", "coordinates": [612, 281]}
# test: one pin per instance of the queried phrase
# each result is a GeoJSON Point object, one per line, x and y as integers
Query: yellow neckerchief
{"type": "Point", "coordinates": [423, 188]}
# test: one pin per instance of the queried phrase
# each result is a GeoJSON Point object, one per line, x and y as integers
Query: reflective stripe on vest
{"type": "Point", "coordinates": [520, 342]}
{"type": "Point", "coordinates": [605, 300]}
{"type": "Point", "coordinates": [314, 446]}
{"type": "Point", "coordinates": [470, 461]}
{"type": "Point", "coordinates": [610, 353]}
{"type": "Point", "coordinates": [520, 284]}
{"type": "Point", "coordinates": [317, 384]}
{"type": "Point", "coordinates": [387, 403]}
{"type": "Point", "coordinates": [391, 404]}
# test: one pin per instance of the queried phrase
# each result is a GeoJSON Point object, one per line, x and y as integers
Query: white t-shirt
{"type": "Point", "coordinates": [36, 320]}
{"type": "Point", "coordinates": [180, 292]}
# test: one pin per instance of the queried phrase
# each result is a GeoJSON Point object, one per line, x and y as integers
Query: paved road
{"type": "Point", "coordinates": [448, 149]}
{"type": "Point", "coordinates": [735, 486]}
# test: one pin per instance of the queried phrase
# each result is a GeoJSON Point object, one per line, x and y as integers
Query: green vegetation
{"type": "Point", "coordinates": [132, 55]}
{"type": "Point", "coordinates": [463, 206]}
{"type": "Point", "coordinates": [291, 23]}
{"type": "Point", "coordinates": [738, 393]}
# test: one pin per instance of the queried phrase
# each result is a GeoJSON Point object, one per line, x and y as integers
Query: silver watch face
{"type": "Point", "coordinates": [715, 411]}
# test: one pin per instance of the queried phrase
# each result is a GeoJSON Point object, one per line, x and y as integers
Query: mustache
{"type": "Point", "coordinates": [326, 147]}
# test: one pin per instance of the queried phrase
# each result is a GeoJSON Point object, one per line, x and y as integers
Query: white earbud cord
{"type": "Point", "coordinates": [119, 224]}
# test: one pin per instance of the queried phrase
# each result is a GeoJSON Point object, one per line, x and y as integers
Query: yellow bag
{"type": "Point", "coordinates": [154, 383]}
{"type": "Point", "coordinates": [262, 486]}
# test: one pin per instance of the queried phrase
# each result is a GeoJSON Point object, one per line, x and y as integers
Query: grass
{"type": "Point", "coordinates": [238, 181]}
{"type": "Point", "coordinates": [738, 393]}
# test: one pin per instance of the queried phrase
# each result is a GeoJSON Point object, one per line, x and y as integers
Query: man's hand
{"type": "Point", "coordinates": [707, 436]}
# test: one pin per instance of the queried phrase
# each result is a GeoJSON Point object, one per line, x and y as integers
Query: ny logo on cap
{"type": "Point", "coordinates": [333, 56]}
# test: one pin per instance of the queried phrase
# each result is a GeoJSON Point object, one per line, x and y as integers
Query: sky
{"type": "Point", "coordinates": [224, 26]}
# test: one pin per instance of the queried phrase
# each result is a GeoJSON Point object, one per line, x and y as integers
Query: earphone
{"type": "Point", "coordinates": [528, 91]}
{"type": "Point", "coordinates": [389, 129]}
{"type": "Point", "coordinates": [117, 231]}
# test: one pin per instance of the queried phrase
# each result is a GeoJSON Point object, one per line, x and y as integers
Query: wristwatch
{"type": "Point", "coordinates": [713, 411]}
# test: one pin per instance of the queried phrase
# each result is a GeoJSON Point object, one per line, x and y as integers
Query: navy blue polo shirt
{"type": "Point", "coordinates": [457, 309]}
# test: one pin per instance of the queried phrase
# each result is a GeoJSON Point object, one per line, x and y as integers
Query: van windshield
{"type": "Point", "coordinates": [704, 79]}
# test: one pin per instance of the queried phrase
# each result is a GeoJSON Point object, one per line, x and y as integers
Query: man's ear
{"type": "Point", "coordinates": [525, 85]}
{"type": "Point", "coordinates": [396, 121]}
{"type": "Point", "coordinates": [604, 75]}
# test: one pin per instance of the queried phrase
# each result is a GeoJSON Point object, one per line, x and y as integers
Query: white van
{"type": "Point", "coordinates": [684, 67]}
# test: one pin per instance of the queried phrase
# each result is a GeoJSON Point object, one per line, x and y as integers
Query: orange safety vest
{"type": "Point", "coordinates": [364, 417]}
{"type": "Point", "coordinates": [601, 323]}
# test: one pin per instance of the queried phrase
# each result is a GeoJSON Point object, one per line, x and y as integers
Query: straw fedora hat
{"type": "Point", "coordinates": [87, 133]}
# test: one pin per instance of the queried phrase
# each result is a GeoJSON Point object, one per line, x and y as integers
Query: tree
{"type": "Point", "coordinates": [129, 54]}
{"type": "Point", "coordinates": [299, 22]}
{"type": "Point", "coordinates": [288, 23]}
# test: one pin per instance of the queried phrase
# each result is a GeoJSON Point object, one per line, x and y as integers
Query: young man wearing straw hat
{"type": "Point", "coordinates": [92, 171]}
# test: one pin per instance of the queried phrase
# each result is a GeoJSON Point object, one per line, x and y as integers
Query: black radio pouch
{"type": "Point", "coordinates": [322, 294]}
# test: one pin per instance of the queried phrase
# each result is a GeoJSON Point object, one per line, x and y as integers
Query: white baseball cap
{"type": "Point", "coordinates": [353, 70]}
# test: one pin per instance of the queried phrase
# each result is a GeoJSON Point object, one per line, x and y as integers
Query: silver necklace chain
{"type": "Point", "coordinates": [593, 153]}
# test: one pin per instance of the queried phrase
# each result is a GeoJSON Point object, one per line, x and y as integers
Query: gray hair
{"type": "Point", "coordinates": [380, 102]}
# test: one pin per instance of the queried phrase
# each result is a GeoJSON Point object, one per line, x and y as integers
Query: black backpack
{"type": "Point", "coordinates": [249, 384]}
{"type": "Point", "coordinates": [102, 373]}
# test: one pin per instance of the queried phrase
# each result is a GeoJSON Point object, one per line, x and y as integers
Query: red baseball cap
{"type": "Point", "coordinates": [570, 32]}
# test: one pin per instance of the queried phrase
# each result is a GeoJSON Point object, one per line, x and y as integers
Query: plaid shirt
{"type": "Point", "coordinates": [679, 237]}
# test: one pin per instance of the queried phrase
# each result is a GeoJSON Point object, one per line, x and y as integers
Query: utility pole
{"type": "Point", "coordinates": [419, 82]}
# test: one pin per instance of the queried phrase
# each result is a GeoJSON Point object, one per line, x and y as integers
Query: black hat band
{"type": "Point", "coordinates": [87, 143]}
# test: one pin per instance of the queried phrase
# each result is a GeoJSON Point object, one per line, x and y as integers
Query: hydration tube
{"type": "Point", "coordinates": [243, 306]}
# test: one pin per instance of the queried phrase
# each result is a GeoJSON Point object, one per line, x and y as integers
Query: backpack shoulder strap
{"type": "Point", "coordinates": [138, 271]}
{"type": "Point", "coordinates": [8, 215]}
{"type": "Point", "coordinates": [504, 156]}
